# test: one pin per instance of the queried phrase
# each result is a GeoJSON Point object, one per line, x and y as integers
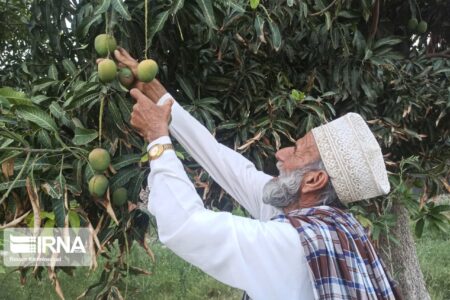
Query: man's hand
{"type": "Point", "coordinates": [153, 89]}
{"type": "Point", "coordinates": [149, 119]}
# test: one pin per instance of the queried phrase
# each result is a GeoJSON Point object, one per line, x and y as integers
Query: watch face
{"type": "Point", "coordinates": [154, 151]}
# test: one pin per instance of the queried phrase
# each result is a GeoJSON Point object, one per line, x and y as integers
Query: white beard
{"type": "Point", "coordinates": [283, 190]}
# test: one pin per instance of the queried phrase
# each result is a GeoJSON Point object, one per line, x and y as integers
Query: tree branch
{"type": "Point", "coordinates": [29, 150]}
{"type": "Point", "coordinates": [323, 10]}
{"type": "Point", "coordinates": [443, 54]}
{"type": "Point", "coordinates": [375, 19]}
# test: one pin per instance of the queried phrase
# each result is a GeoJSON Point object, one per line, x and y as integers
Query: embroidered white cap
{"type": "Point", "coordinates": [352, 158]}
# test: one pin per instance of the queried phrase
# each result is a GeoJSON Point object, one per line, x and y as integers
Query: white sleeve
{"type": "Point", "coordinates": [233, 172]}
{"type": "Point", "coordinates": [265, 259]}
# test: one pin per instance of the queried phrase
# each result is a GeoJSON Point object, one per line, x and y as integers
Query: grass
{"type": "Point", "coordinates": [434, 255]}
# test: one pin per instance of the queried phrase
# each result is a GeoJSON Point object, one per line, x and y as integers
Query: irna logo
{"type": "Point", "coordinates": [48, 247]}
{"type": "Point", "coordinates": [45, 244]}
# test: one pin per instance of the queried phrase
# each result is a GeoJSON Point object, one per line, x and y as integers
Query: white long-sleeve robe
{"type": "Point", "coordinates": [262, 257]}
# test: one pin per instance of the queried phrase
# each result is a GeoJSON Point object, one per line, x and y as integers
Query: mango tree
{"type": "Point", "coordinates": [258, 74]}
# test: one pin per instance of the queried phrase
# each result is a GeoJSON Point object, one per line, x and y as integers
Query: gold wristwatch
{"type": "Point", "coordinates": [157, 150]}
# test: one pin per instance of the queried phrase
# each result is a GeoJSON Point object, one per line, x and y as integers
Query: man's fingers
{"type": "Point", "coordinates": [120, 57]}
{"type": "Point", "coordinates": [126, 54]}
{"type": "Point", "coordinates": [168, 104]}
{"type": "Point", "coordinates": [139, 96]}
{"type": "Point", "coordinates": [123, 56]}
{"type": "Point", "coordinates": [168, 107]}
{"type": "Point", "coordinates": [139, 85]}
{"type": "Point", "coordinates": [99, 60]}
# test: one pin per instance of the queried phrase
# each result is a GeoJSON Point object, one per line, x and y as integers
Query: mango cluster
{"type": "Point", "coordinates": [99, 160]}
{"type": "Point", "coordinates": [105, 44]}
{"type": "Point", "coordinates": [418, 27]}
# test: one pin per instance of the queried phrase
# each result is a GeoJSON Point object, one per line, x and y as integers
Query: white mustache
{"type": "Point", "coordinates": [283, 190]}
{"type": "Point", "coordinates": [279, 165]}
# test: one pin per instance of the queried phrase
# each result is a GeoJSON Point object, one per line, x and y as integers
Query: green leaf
{"type": "Point", "coordinates": [113, 110]}
{"type": "Point", "coordinates": [74, 219]}
{"type": "Point", "coordinates": [81, 100]}
{"type": "Point", "coordinates": [177, 5]}
{"type": "Point", "coordinates": [4, 103]}
{"type": "Point", "coordinates": [440, 208]}
{"type": "Point", "coordinates": [387, 41]}
{"type": "Point", "coordinates": [58, 112]}
{"type": "Point", "coordinates": [125, 107]}
{"type": "Point", "coordinates": [297, 95]}
{"type": "Point", "coordinates": [328, 20]}
{"type": "Point", "coordinates": [37, 116]}
{"type": "Point", "coordinates": [18, 183]}
{"type": "Point", "coordinates": [9, 92]}
{"type": "Point", "coordinates": [186, 87]}
{"type": "Point", "coordinates": [50, 189]}
{"type": "Point", "coordinates": [69, 66]}
{"type": "Point", "coordinates": [303, 9]}
{"type": "Point", "coordinates": [208, 13]}
{"type": "Point", "coordinates": [136, 186]}
{"type": "Point", "coordinates": [87, 23]}
{"type": "Point", "coordinates": [14, 136]}
{"type": "Point", "coordinates": [43, 84]}
{"type": "Point", "coordinates": [208, 100]}
{"type": "Point", "coordinates": [368, 54]}
{"type": "Point", "coordinates": [39, 164]}
{"type": "Point", "coordinates": [348, 14]}
{"type": "Point", "coordinates": [53, 72]}
{"type": "Point", "coordinates": [259, 27]}
{"type": "Point", "coordinates": [84, 136]}
{"type": "Point", "coordinates": [103, 7]}
{"type": "Point", "coordinates": [418, 229]}
{"type": "Point", "coordinates": [48, 224]}
{"type": "Point", "coordinates": [15, 97]}
{"type": "Point", "coordinates": [445, 70]}
{"type": "Point", "coordinates": [126, 160]}
{"type": "Point", "coordinates": [236, 6]}
{"type": "Point", "coordinates": [158, 24]}
{"type": "Point", "coordinates": [123, 177]}
{"type": "Point", "coordinates": [144, 158]}
{"type": "Point", "coordinates": [359, 42]}
{"type": "Point", "coordinates": [254, 4]}
{"type": "Point", "coordinates": [58, 209]}
{"type": "Point", "coordinates": [376, 231]}
{"type": "Point", "coordinates": [44, 139]}
{"type": "Point", "coordinates": [38, 99]}
{"type": "Point", "coordinates": [121, 8]}
{"type": "Point", "coordinates": [179, 155]}
{"type": "Point", "coordinates": [328, 94]}
{"type": "Point", "coordinates": [276, 36]}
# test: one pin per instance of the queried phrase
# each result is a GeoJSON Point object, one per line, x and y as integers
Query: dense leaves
{"type": "Point", "coordinates": [258, 74]}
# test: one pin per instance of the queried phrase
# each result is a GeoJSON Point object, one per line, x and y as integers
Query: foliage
{"type": "Point", "coordinates": [258, 74]}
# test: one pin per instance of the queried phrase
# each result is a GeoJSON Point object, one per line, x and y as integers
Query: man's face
{"type": "Point", "coordinates": [295, 157]}
{"type": "Point", "coordinates": [284, 189]}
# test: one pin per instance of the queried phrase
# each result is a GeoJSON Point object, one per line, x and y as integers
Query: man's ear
{"type": "Point", "coordinates": [314, 181]}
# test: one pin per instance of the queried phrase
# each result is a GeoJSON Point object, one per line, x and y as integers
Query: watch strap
{"type": "Point", "coordinates": [159, 148]}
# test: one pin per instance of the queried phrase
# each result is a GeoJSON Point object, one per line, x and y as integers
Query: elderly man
{"type": "Point", "coordinates": [301, 243]}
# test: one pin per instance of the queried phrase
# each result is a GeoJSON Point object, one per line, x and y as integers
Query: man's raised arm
{"type": "Point", "coordinates": [232, 171]}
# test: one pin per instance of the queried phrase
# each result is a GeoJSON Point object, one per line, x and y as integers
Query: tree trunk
{"type": "Point", "coordinates": [401, 259]}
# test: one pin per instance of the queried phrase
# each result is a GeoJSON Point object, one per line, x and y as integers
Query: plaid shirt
{"type": "Point", "coordinates": [343, 262]}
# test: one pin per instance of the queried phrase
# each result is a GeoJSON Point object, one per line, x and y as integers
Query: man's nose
{"type": "Point", "coordinates": [280, 155]}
